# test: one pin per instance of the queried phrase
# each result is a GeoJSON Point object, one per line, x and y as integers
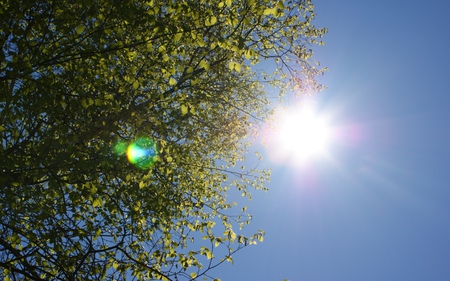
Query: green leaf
{"type": "Point", "coordinates": [84, 103]}
{"type": "Point", "coordinates": [237, 67]}
{"type": "Point", "coordinates": [177, 37]}
{"type": "Point", "coordinates": [231, 65]}
{"type": "Point", "coordinates": [97, 233]}
{"type": "Point", "coordinates": [97, 202]}
{"type": "Point", "coordinates": [80, 29]}
{"type": "Point", "coordinates": [234, 66]}
{"type": "Point", "coordinates": [184, 109]}
{"type": "Point", "coordinates": [213, 20]}
{"type": "Point", "coordinates": [193, 275]}
{"type": "Point", "coordinates": [249, 54]}
{"type": "Point", "coordinates": [270, 11]}
{"type": "Point", "coordinates": [204, 64]}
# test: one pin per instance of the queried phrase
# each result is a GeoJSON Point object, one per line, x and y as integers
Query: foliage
{"type": "Point", "coordinates": [82, 80]}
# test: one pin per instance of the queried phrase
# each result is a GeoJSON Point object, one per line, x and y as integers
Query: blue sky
{"type": "Point", "coordinates": [378, 208]}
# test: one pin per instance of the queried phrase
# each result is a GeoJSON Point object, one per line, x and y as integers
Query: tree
{"type": "Point", "coordinates": [170, 85]}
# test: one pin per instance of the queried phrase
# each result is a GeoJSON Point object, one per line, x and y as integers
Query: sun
{"type": "Point", "coordinates": [298, 134]}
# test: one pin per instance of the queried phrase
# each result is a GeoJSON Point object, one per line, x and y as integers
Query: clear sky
{"type": "Point", "coordinates": [378, 206]}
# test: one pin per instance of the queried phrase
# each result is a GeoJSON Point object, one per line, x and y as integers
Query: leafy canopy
{"type": "Point", "coordinates": [173, 86]}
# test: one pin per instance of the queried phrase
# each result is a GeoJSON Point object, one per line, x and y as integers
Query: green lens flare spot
{"type": "Point", "coordinates": [120, 148]}
{"type": "Point", "coordinates": [142, 153]}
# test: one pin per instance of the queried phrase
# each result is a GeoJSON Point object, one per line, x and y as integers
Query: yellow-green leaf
{"type": "Point", "coordinates": [80, 29]}
{"type": "Point", "coordinates": [237, 67]}
{"type": "Point", "coordinates": [193, 275]}
{"type": "Point", "coordinates": [172, 81]}
{"type": "Point", "coordinates": [97, 233]}
{"type": "Point", "coordinates": [97, 202]}
{"type": "Point", "coordinates": [177, 37]}
{"type": "Point", "coordinates": [213, 20]}
{"type": "Point", "coordinates": [249, 54]}
{"type": "Point", "coordinates": [184, 109]}
{"type": "Point", "coordinates": [209, 255]}
{"type": "Point", "coordinates": [84, 104]}
{"type": "Point", "coordinates": [149, 46]}
{"type": "Point", "coordinates": [270, 11]}
{"type": "Point", "coordinates": [204, 64]}
{"type": "Point", "coordinates": [161, 49]}
{"type": "Point", "coordinates": [234, 66]}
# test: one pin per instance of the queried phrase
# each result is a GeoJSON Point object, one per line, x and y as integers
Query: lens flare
{"type": "Point", "coordinates": [142, 152]}
{"type": "Point", "coordinates": [120, 148]}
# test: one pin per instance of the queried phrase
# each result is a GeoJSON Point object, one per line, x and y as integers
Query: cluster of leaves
{"type": "Point", "coordinates": [76, 77]}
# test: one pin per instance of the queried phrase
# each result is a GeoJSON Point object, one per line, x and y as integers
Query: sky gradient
{"type": "Point", "coordinates": [378, 207]}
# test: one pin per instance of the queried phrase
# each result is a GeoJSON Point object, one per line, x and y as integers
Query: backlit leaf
{"type": "Point", "coordinates": [204, 64]}
{"type": "Point", "coordinates": [177, 37]}
{"type": "Point", "coordinates": [80, 29]}
{"type": "Point", "coordinates": [184, 109]}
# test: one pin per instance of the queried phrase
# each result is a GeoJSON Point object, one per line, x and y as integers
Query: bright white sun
{"type": "Point", "coordinates": [299, 134]}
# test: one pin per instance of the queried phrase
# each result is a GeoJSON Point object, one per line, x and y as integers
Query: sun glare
{"type": "Point", "coordinates": [299, 134]}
